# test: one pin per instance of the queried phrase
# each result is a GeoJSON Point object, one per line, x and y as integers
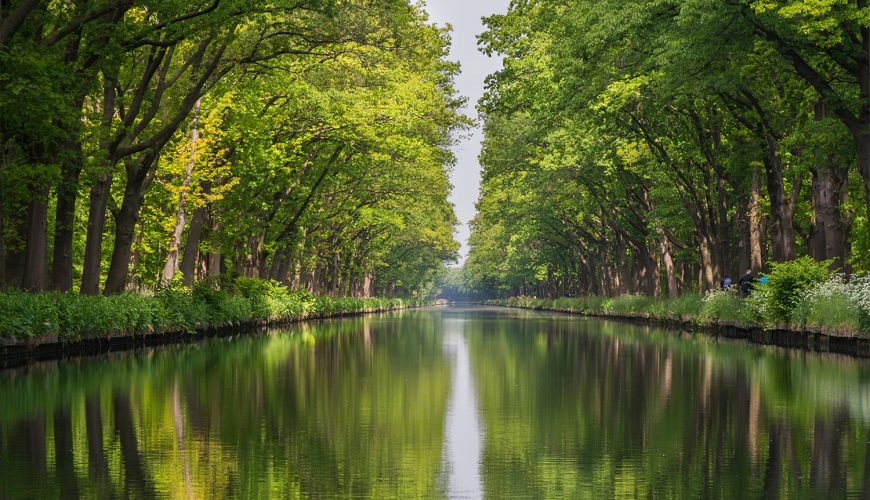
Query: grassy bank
{"type": "Point", "coordinates": [171, 308]}
{"type": "Point", "coordinates": [799, 296]}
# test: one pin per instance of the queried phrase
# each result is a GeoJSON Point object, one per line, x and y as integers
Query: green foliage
{"type": "Point", "coordinates": [23, 315]}
{"type": "Point", "coordinates": [788, 280]}
{"type": "Point", "coordinates": [629, 304]}
{"type": "Point", "coordinates": [172, 307]}
{"type": "Point", "coordinates": [835, 304]}
{"type": "Point", "coordinates": [724, 305]}
{"type": "Point", "coordinates": [811, 300]}
{"type": "Point", "coordinates": [623, 133]}
{"type": "Point", "coordinates": [686, 305]}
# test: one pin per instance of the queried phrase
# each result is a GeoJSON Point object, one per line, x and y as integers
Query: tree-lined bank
{"type": "Point", "coordinates": [657, 147]}
{"type": "Point", "coordinates": [306, 142]}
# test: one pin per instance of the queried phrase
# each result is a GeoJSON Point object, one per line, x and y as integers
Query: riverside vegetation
{"type": "Point", "coordinates": [799, 295]}
{"type": "Point", "coordinates": [171, 307]}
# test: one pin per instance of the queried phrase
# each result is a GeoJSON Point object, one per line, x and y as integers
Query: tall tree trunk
{"type": "Point", "coordinates": [828, 237]}
{"type": "Point", "coordinates": [92, 265]}
{"type": "Point", "coordinates": [756, 260]}
{"type": "Point", "coordinates": [213, 265]}
{"type": "Point", "coordinates": [191, 244]}
{"type": "Point", "coordinates": [668, 261]}
{"type": "Point", "coordinates": [35, 276]}
{"type": "Point", "coordinates": [829, 232]}
{"type": "Point", "coordinates": [171, 265]}
{"type": "Point", "coordinates": [64, 220]}
{"type": "Point", "coordinates": [99, 197]}
{"type": "Point", "coordinates": [781, 207]}
{"type": "Point", "coordinates": [707, 277]}
{"type": "Point", "coordinates": [125, 224]}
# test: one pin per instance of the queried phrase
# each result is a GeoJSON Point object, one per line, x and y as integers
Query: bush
{"type": "Point", "coordinates": [859, 293]}
{"type": "Point", "coordinates": [724, 305]}
{"type": "Point", "coordinates": [788, 281]}
{"type": "Point", "coordinates": [834, 304]}
{"type": "Point", "coordinates": [24, 315]}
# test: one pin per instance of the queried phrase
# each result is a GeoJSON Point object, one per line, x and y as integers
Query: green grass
{"type": "Point", "coordinates": [172, 307]}
{"type": "Point", "coordinates": [829, 304]}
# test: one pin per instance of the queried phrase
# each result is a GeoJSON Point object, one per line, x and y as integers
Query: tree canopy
{"type": "Point", "coordinates": [304, 141]}
{"type": "Point", "coordinates": [657, 146]}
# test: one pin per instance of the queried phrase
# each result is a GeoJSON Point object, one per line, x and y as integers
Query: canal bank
{"type": "Point", "coordinates": [17, 352]}
{"type": "Point", "coordinates": [815, 339]}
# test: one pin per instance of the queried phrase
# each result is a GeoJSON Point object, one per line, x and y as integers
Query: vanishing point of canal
{"type": "Point", "coordinates": [434, 403]}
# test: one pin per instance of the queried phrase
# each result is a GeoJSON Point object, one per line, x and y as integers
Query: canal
{"type": "Point", "coordinates": [434, 403]}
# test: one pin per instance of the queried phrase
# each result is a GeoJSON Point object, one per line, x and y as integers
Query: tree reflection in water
{"type": "Point", "coordinates": [358, 408]}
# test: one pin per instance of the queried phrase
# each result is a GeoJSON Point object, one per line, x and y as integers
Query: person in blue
{"type": "Point", "coordinates": [726, 283]}
{"type": "Point", "coordinates": [747, 283]}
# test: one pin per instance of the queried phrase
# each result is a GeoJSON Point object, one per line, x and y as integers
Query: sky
{"type": "Point", "coordinates": [464, 16]}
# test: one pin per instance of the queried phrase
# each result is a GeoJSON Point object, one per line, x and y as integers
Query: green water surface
{"type": "Point", "coordinates": [435, 403]}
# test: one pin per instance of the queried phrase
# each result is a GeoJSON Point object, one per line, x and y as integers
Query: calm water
{"type": "Point", "coordinates": [458, 403]}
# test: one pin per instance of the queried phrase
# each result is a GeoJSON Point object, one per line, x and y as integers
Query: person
{"type": "Point", "coordinates": [726, 283]}
{"type": "Point", "coordinates": [747, 283]}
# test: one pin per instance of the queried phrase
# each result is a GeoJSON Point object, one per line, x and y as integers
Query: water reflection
{"type": "Point", "coordinates": [344, 409]}
{"type": "Point", "coordinates": [457, 403]}
{"type": "Point", "coordinates": [463, 434]}
{"type": "Point", "coordinates": [578, 409]}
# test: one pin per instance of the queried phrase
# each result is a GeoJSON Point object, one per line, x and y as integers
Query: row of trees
{"type": "Point", "coordinates": [655, 146]}
{"type": "Point", "coordinates": [299, 140]}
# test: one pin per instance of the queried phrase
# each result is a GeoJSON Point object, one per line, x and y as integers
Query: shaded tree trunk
{"type": "Point", "coordinates": [191, 245]}
{"type": "Point", "coordinates": [214, 260]}
{"type": "Point", "coordinates": [781, 206]}
{"type": "Point", "coordinates": [125, 223]}
{"type": "Point", "coordinates": [64, 220]}
{"type": "Point", "coordinates": [35, 276]}
{"type": "Point", "coordinates": [99, 199]}
{"type": "Point", "coordinates": [91, 270]}
{"type": "Point", "coordinates": [828, 239]}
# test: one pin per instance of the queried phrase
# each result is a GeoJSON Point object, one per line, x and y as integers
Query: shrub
{"type": "Point", "coordinates": [859, 293]}
{"type": "Point", "coordinates": [24, 315]}
{"type": "Point", "coordinates": [724, 305]}
{"type": "Point", "coordinates": [788, 281]}
{"type": "Point", "coordinates": [834, 304]}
